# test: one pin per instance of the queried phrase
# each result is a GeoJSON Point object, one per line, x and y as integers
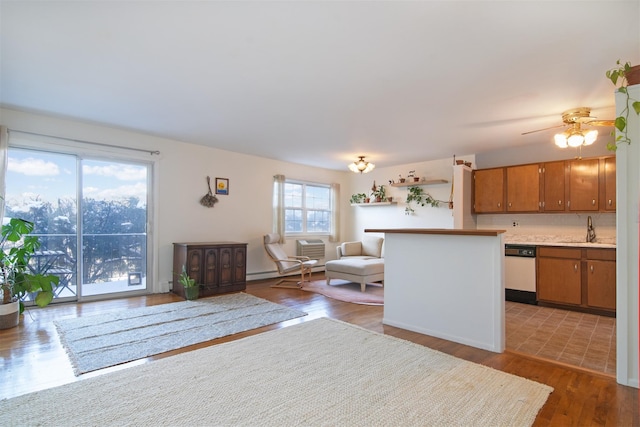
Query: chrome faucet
{"type": "Point", "coordinates": [591, 234]}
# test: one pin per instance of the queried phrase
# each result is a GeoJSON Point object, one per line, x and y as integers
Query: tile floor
{"type": "Point", "coordinates": [579, 339]}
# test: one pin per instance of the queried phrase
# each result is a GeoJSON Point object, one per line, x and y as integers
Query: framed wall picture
{"type": "Point", "coordinates": [222, 186]}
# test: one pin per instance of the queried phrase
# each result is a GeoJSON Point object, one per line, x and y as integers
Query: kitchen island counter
{"type": "Point", "coordinates": [446, 283]}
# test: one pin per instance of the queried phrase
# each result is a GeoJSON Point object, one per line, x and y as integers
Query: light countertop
{"type": "Point", "coordinates": [556, 240]}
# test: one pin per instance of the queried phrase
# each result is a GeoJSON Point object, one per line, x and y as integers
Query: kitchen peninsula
{"type": "Point", "coordinates": [447, 283]}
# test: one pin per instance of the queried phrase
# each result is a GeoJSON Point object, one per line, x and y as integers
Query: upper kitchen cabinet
{"type": "Point", "coordinates": [608, 187]}
{"type": "Point", "coordinates": [523, 188]}
{"type": "Point", "coordinates": [584, 185]}
{"type": "Point", "coordinates": [489, 189]}
{"type": "Point", "coordinates": [553, 187]}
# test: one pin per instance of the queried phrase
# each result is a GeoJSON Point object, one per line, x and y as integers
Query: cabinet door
{"type": "Point", "coordinates": [226, 269]}
{"type": "Point", "coordinates": [609, 185]}
{"type": "Point", "coordinates": [194, 264]}
{"type": "Point", "coordinates": [553, 177]}
{"type": "Point", "coordinates": [239, 264]}
{"type": "Point", "coordinates": [489, 190]}
{"type": "Point", "coordinates": [210, 267]}
{"type": "Point", "coordinates": [583, 185]}
{"type": "Point", "coordinates": [601, 284]}
{"type": "Point", "coordinates": [558, 280]}
{"type": "Point", "coordinates": [523, 188]}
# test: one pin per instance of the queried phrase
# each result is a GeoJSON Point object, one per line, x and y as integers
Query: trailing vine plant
{"type": "Point", "coordinates": [618, 74]}
{"type": "Point", "coordinates": [416, 194]}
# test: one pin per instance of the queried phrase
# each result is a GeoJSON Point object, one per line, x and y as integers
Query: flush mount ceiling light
{"type": "Point", "coordinates": [361, 166]}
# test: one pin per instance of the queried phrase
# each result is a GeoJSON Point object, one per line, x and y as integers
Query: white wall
{"type": "Point", "coordinates": [394, 215]}
{"type": "Point", "coordinates": [245, 215]}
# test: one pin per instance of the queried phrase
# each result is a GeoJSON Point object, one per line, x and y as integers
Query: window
{"type": "Point", "coordinates": [307, 208]}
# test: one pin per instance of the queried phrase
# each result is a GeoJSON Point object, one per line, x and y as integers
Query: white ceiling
{"type": "Point", "coordinates": [319, 82]}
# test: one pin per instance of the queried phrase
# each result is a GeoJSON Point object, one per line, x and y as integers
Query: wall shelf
{"type": "Point", "coordinates": [374, 204]}
{"type": "Point", "coordinates": [427, 182]}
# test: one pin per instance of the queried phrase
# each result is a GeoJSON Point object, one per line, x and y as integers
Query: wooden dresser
{"type": "Point", "coordinates": [217, 267]}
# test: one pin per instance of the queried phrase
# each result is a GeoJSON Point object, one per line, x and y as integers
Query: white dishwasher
{"type": "Point", "coordinates": [520, 273]}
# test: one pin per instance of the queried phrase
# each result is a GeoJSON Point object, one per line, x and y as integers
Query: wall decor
{"type": "Point", "coordinates": [222, 186]}
{"type": "Point", "coordinates": [208, 200]}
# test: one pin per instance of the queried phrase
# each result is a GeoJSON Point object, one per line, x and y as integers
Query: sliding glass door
{"type": "Point", "coordinates": [90, 215]}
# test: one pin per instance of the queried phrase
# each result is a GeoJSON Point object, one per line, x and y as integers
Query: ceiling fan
{"type": "Point", "coordinates": [575, 136]}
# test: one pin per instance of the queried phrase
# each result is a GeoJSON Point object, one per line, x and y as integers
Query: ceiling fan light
{"type": "Point", "coordinates": [561, 140]}
{"type": "Point", "coordinates": [369, 167]}
{"type": "Point", "coordinates": [575, 140]}
{"type": "Point", "coordinates": [590, 137]}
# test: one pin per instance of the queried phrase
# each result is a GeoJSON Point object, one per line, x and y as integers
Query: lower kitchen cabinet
{"type": "Point", "coordinates": [581, 279]}
{"type": "Point", "coordinates": [217, 267]}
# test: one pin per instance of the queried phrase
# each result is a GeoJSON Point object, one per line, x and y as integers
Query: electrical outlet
{"type": "Point", "coordinates": [516, 224]}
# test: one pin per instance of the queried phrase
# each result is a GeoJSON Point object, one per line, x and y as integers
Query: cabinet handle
{"type": "Point", "coordinates": [559, 202]}
{"type": "Point", "coordinates": [499, 204]}
{"type": "Point", "coordinates": [610, 202]}
{"type": "Point", "coordinates": [593, 202]}
{"type": "Point", "coordinates": [569, 203]}
{"type": "Point", "coordinates": [509, 204]}
{"type": "Point", "coordinates": [591, 268]}
{"type": "Point", "coordinates": [575, 267]}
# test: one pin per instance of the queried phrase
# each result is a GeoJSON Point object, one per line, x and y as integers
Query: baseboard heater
{"type": "Point", "coordinates": [313, 248]}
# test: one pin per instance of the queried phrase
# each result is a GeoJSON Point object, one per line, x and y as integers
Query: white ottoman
{"type": "Point", "coordinates": [356, 270]}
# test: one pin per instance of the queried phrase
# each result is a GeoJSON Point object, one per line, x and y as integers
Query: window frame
{"type": "Point", "coordinates": [304, 209]}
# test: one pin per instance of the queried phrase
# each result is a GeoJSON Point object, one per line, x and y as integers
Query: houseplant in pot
{"type": "Point", "coordinates": [191, 289]}
{"type": "Point", "coordinates": [16, 279]}
{"type": "Point", "coordinates": [624, 75]}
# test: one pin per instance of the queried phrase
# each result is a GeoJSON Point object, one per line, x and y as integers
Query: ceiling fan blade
{"type": "Point", "coordinates": [600, 123]}
{"type": "Point", "coordinates": [540, 130]}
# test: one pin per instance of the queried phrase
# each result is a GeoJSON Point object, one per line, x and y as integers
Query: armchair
{"type": "Point", "coordinates": [287, 264]}
{"type": "Point", "coordinates": [370, 247]}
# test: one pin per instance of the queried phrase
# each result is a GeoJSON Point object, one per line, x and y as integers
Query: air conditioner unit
{"type": "Point", "coordinates": [314, 248]}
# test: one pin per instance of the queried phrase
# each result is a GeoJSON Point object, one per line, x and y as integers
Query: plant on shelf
{"type": "Point", "coordinates": [16, 278]}
{"type": "Point", "coordinates": [358, 198]}
{"type": "Point", "coordinates": [416, 194]}
{"type": "Point", "coordinates": [191, 289]}
{"type": "Point", "coordinates": [379, 192]}
{"type": "Point", "coordinates": [619, 75]}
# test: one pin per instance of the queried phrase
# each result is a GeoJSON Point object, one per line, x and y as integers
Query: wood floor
{"type": "Point", "coordinates": [32, 358]}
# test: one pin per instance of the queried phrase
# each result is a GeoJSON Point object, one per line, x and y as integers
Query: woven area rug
{"type": "Point", "coordinates": [319, 372]}
{"type": "Point", "coordinates": [96, 342]}
{"type": "Point", "coordinates": [344, 290]}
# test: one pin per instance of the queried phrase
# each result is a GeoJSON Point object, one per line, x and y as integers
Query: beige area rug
{"type": "Point", "coordinates": [344, 290]}
{"type": "Point", "coordinates": [319, 372]}
{"type": "Point", "coordinates": [96, 342]}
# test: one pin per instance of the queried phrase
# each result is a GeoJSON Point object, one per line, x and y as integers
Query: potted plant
{"type": "Point", "coordinates": [416, 194]}
{"type": "Point", "coordinates": [191, 289]}
{"type": "Point", "coordinates": [624, 75]}
{"type": "Point", "coordinates": [380, 193]}
{"type": "Point", "coordinates": [16, 279]}
{"type": "Point", "coordinates": [358, 198]}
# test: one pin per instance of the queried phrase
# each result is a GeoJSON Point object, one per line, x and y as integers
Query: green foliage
{"type": "Point", "coordinates": [16, 279]}
{"type": "Point", "coordinates": [358, 198]}
{"type": "Point", "coordinates": [380, 193]}
{"type": "Point", "coordinates": [186, 281]}
{"type": "Point", "coordinates": [618, 74]}
{"type": "Point", "coordinates": [416, 194]}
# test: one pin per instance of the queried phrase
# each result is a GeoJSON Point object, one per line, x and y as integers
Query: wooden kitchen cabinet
{"type": "Point", "coordinates": [489, 190]}
{"type": "Point", "coordinates": [581, 279]}
{"type": "Point", "coordinates": [583, 189]}
{"type": "Point", "coordinates": [601, 278]}
{"type": "Point", "coordinates": [559, 275]}
{"type": "Point", "coordinates": [523, 188]}
{"type": "Point", "coordinates": [608, 184]}
{"type": "Point", "coordinates": [553, 187]}
{"type": "Point", "coordinates": [217, 267]}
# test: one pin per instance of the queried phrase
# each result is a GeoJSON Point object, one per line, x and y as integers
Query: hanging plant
{"type": "Point", "coordinates": [620, 74]}
{"type": "Point", "coordinates": [416, 194]}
